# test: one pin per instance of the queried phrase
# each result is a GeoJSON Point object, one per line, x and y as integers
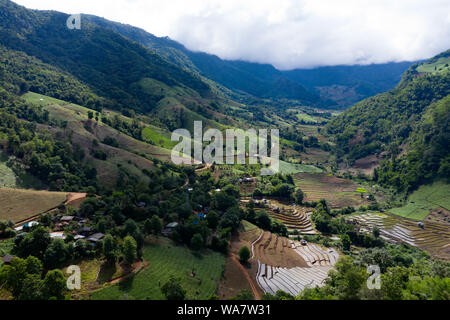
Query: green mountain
{"type": "Point", "coordinates": [338, 86]}
{"type": "Point", "coordinates": [134, 98]}
{"type": "Point", "coordinates": [109, 63]}
{"type": "Point", "coordinates": [117, 73]}
{"type": "Point", "coordinates": [347, 85]}
{"type": "Point", "coordinates": [259, 80]}
{"type": "Point", "coordinates": [408, 125]}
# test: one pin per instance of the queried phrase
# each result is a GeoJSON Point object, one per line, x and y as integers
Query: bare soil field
{"type": "Point", "coordinates": [277, 263]}
{"type": "Point", "coordinates": [364, 165]}
{"type": "Point", "coordinates": [439, 215]}
{"type": "Point", "coordinates": [234, 275]}
{"type": "Point", "coordinates": [17, 204]}
{"type": "Point", "coordinates": [319, 261]}
{"type": "Point", "coordinates": [233, 281]}
{"type": "Point", "coordinates": [276, 251]}
{"type": "Point", "coordinates": [74, 199]}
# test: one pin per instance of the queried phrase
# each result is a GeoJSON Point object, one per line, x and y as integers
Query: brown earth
{"type": "Point", "coordinates": [268, 249]}
{"type": "Point", "coordinates": [313, 156]}
{"type": "Point", "coordinates": [238, 240]}
{"type": "Point", "coordinates": [365, 165]}
{"type": "Point", "coordinates": [75, 199]}
{"type": "Point", "coordinates": [273, 250]}
{"type": "Point", "coordinates": [233, 281]}
{"type": "Point", "coordinates": [439, 215]}
{"type": "Point", "coordinates": [17, 205]}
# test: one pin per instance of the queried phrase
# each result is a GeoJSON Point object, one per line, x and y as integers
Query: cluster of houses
{"type": "Point", "coordinates": [84, 232]}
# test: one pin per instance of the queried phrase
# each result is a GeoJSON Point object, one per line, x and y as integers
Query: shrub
{"type": "Point", "coordinates": [244, 254]}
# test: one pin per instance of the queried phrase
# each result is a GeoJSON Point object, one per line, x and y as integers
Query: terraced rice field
{"type": "Point", "coordinates": [275, 250]}
{"type": "Point", "coordinates": [433, 238]}
{"type": "Point", "coordinates": [294, 218]}
{"type": "Point", "coordinates": [273, 277]}
{"type": "Point", "coordinates": [337, 191]}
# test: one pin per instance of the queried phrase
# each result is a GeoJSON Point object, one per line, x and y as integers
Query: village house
{"type": "Point", "coordinates": [96, 237]}
{"type": "Point", "coordinates": [85, 231]}
{"type": "Point", "coordinates": [58, 235]}
{"type": "Point", "coordinates": [7, 259]}
{"type": "Point", "coordinates": [169, 228]}
{"type": "Point", "coordinates": [66, 218]}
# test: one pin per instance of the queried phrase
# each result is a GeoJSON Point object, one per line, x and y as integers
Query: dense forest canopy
{"type": "Point", "coordinates": [109, 63]}
{"type": "Point", "coordinates": [413, 116]}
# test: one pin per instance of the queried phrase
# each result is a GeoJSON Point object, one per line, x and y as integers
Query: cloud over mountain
{"type": "Point", "coordinates": [286, 33]}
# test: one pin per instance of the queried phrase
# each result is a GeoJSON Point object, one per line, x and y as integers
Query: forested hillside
{"type": "Point", "coordinates": [413, 117]}
{"type": "Point", "coordinates": [428, 157]}
{"type": "Point", "coordinates": [260, 80]}
{"type": "Point", "coordinates": [338, 86]}
{"type": "Point", "coordinates": [347, 85]}
{"type": "Point", "coordinates": [21, 73]}
{"type": "Point", "coordinates": [110, 64]}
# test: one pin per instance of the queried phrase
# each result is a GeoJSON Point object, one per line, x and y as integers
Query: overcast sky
{"type": "Point", "coordinates": [286, 33]}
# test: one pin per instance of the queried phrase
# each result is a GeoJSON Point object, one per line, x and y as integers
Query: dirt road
{"type": "Point", "coordinates": [247, 276]}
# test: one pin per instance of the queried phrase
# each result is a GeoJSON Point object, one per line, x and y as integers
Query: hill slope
{"type": "Point", "coordinates": [109, 63]}
{"type": "Point", "coordinates": [408, 123]}
{"type": "Point", "coordinates": [347, 85]}
{"type": "Point", "coordinates": [338, 86]}
{"type": "Point", "coordinates": [260, 80]}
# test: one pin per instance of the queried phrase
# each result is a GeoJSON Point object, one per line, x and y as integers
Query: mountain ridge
{"type": "Point", "coordinates": [258, 79]}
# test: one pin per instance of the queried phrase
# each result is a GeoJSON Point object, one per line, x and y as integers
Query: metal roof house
{"type": "Point", "coordinates": [7, 259]}
{"type": "Point", "coordinates": [172, 225]}
{"type": "Point", "coordinates": [58, 235]}
{"type": "Point", "coordinates": [169, 228]}
{"type": "Point", "coordinates": [84, 231]}
{"type": "Point", "coordinates": [96, 237]}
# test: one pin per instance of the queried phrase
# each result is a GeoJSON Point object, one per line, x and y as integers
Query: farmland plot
{"type": "Point", "coordinates": [272, 278]}
{"type": "Point", "coordinates": [338, 192]}
{"type": "Point", "coordinates": [294, 218]}
{"type": "Point", "coordinates": [433, 238]}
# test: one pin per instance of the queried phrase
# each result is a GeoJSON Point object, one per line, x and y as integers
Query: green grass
{"type": "Point", "coordinates": [305, 117]}
{"type": "Point", "coordinates": [6, 247]}
{"type": "Point", "coordinates": [8, 178]}
{"type": "Point", "coordinates": [168, 260]}
{"type": "Point", "coordinates": [152, 136]}
{"type": "Point", "coordinates": [35, 98]}
{"type": "Point", "coordinates": [58, 109]}
{"type": "Point", "coordinates": [247, 226]}
{"type": "Point", "coordinates": [293, 168]}
{"type": "Point", "coordinates": [425, 199]}
{"type": "Point", "coordinates": [11, 179]}
{"type": "Point", "coordinates": [439, 66]}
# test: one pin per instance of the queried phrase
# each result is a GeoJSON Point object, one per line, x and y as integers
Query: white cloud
{"type": "Point", "coordinates": [286, 33]}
